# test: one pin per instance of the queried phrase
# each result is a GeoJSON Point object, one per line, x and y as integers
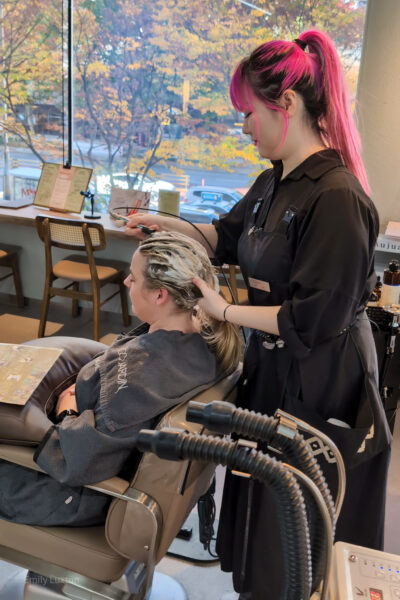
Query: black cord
{"type": "Point", "coordinates": [169, 214]}
{"type": "Point", "coordinates": [374, 323]}
{"type": "Point", "coordinates": [291, 510]}
{"type": "Point", "coordinates": [218, 265]}
{"type": "Point", "coordinates": [207, 511]}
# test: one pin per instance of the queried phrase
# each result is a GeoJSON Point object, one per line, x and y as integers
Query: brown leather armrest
{"type": "Point", "coordinates": [23, 456]}
{"type": "Point", "coordinates": [20, 455]}
{"type": "Point", "coordinates": [115, 486]}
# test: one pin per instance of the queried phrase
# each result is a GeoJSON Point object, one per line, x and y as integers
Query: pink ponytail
{"type": "Point", "coordinates": [339, 129]}
{"type": "Point", "coordinates": [318, 76]}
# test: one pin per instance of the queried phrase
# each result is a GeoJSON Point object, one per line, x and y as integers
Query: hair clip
{"type": "Point", "coordinates": [300, 43]}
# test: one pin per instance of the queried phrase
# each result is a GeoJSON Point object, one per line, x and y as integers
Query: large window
{"type": "Point", "coordinates": [151, 85]}
{"type": "Point", "coordinates": [31, 96]}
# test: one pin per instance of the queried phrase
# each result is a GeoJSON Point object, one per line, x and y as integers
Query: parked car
{"type": "Point", "coordinates": [219, 199]}
{"type": "Point", "coordinates": [196, 214]}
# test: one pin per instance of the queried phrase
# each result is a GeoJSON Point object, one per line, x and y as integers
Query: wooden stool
{"type": "Point", "coordinates": [9, 259]}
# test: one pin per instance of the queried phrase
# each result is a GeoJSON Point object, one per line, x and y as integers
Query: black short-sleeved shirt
{"type": "Point", "coordinates": [311, 238]}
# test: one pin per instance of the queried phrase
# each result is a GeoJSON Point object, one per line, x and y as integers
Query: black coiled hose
{"type": "Point", "coordinates": [225, 418]}
{"type": "Point", "coordinates": [291, 509]}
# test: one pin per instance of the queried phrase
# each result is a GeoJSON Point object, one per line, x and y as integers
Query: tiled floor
{"type": "Point", "coordinates": [200, 582]}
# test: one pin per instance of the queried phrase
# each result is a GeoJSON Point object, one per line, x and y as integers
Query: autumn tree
{"type": "Point", "coordinates": [30, 70]}
{"type": "Point", "coordinates": [151, 78]}
{"type": "Point", "coordinates": [204, 43]}
{"type": "Point", "coordinates": [135, 59]}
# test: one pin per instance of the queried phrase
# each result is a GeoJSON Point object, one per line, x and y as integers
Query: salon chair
{"type": "Point", "coordinates": [144, 517]}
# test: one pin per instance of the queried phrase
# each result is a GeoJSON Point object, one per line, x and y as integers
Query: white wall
{"type": "Point", "coordinates": [379, 106]}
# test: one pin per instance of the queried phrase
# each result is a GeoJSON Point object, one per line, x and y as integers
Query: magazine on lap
{"type": "Point", "coordinates": [22, 368]}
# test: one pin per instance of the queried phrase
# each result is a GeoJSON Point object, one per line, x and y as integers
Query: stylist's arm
{"type": "Point", "coordinates": [203, 233]}
{"type": "Point", "coordinates": [263, 318]}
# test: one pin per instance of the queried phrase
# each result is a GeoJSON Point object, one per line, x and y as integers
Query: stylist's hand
{"type": "Point", "coordinates": [67, 400]}
{"type": "Point", "coordinates": [152, 221]}
{"type": "Point", "coordinates": [212, 303]}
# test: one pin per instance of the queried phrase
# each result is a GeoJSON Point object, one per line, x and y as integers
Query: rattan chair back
{"type": "Point", "coordinates": [70, 234]}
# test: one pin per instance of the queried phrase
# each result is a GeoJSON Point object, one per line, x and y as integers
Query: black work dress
{"type": "Point", "coordinates": [307, 243]}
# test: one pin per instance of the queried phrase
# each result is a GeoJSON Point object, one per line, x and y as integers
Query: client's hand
{"type": "Point", "coordinates": [67, 400]}
{"type": "Point", "coordinates": [212, 303]}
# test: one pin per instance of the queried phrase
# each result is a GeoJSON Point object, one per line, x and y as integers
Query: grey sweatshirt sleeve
{"type": "Point", "coordinates": [134, 382]}
{"type": "Point", "coordinates": [76, 453]}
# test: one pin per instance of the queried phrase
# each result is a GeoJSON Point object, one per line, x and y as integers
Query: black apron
{"type": "Point", "coordinates": [336, 377]}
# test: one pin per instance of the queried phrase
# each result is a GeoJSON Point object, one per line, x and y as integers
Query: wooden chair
{"type": "Point", "coordinates": [9, 259]}
{"type": "Point", "coordinates": [238, 295]}
{"type": "Point", "coordinates": [87, 237]}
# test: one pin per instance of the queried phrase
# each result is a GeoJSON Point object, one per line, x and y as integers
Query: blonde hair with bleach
{"type": "Point", "coordinates": [172, 261]}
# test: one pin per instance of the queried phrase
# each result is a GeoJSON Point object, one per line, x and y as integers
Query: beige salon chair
{"type": "Point", "coordinates": [88, 238]}
{"type": "Point", "coordinates": [143, 519]}
{"type": "Point", "coordinates": [9, 259]}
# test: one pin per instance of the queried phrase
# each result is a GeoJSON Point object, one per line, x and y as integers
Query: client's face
{"type": "Point", "coordinates": [141, 297]}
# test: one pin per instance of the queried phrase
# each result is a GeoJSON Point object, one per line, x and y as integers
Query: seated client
{"type": "Point", "coordinates": [125, 388]}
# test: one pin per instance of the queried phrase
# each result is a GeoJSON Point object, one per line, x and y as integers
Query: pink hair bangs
{"type": "Point", "coordinates": [238, 90]}
{"type": "Point", "coordinates": [241, 95]}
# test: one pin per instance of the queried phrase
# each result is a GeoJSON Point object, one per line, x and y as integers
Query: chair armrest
{"type": "Point", "coordinates": [20, 455]}
{"type": "Point", "coordinates": [23, 456]}
{"type": "Point", "coordinates": [115, 486]}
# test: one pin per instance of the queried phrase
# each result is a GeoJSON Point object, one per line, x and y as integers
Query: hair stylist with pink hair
{"type": "Point", "coordinates": [304, 236]}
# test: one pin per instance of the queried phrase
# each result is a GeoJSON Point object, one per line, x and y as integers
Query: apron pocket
{"type": "Point", "coordinates": [348, 440]}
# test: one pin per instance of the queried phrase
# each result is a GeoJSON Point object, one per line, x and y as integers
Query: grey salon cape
{"type": "Point", "coordinates": [123, 390]}
{"type": "Point", "coordinates": [306, 243]}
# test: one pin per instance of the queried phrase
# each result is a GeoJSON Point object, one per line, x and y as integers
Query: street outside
{"type": "Point", "coordinates": [240, 179]}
